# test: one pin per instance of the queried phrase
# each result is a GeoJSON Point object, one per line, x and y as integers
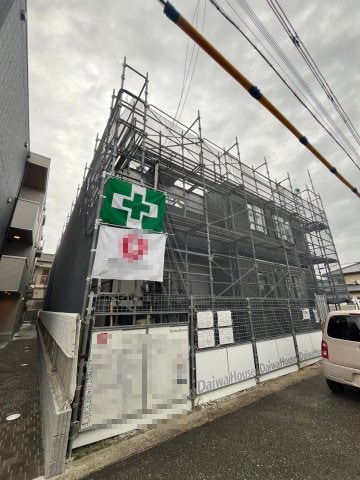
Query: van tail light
{"type": "Point", "coordinates": [324, 350]}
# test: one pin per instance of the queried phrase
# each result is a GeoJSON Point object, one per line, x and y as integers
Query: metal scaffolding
{"type": "Point", "coordinates": [237, 240]}
{"type": "Point", "coordinates": [232, 231]}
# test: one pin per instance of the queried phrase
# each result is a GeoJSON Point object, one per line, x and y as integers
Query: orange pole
{"type": "Point", "coordinates": [200, 40]}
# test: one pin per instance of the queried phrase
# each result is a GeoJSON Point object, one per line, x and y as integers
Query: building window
{"type": "Point", "coordinates": [266, 284]}
{"type": "Point", "coordinates": [283, 229]}
{"type": "Point", "coordinates": [294, 286]}
{"type": "Point", "coordinates": [256, 218]}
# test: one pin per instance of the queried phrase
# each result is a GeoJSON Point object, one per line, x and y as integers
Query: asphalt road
{"type": "Point", "coordinates": [302, 432]}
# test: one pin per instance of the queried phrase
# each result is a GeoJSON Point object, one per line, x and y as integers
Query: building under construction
{"type": "Point", "coordinates": [254, 253]}
{"type": "Point", "coordinates": [232, 231]}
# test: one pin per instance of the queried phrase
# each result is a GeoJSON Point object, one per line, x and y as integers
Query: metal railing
{"type": "Point", "coordinates": [252, 318]}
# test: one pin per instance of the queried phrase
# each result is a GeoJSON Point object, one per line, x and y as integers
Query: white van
{"type": "Point", "coordinates": [340, 349]}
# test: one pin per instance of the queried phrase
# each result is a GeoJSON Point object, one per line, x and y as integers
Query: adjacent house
{"type": "Point", "coordinates": [23, 175]}
{"type": "Point", "coordinates": [352, 279]}
{"type": "Point", "coordinates": [37, 291]}
{"type": "Point", "coordinates": [22, 243]}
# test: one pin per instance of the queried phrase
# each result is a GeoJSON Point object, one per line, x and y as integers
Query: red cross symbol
{"type": "Point", "coordinates": [102, 338]}
{"type": "Point", "coordinates": [133, 247]}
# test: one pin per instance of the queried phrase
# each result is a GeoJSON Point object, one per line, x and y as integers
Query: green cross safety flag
{"type": "Point", "coordinates": [133, 206]}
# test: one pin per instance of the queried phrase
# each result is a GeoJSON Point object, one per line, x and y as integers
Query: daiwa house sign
{"type": "Point", "coordinates": [133, 206]}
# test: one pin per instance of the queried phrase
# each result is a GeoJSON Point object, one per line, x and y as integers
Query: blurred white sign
{"type": "Point", "coordinates": [305, 313]}
{"type": "Point", "coordinates": [205, 319]}
{"type": "Point", "coordinates": [226, 335]}
{"type": "Point", "coordinates": [316, 315]}
{"type": "Point", "coordinates": [206, 338]}
{"type": "Point", "coordinates": [137, 377]}
{"type": "Point", "coordinates": [224, 318]}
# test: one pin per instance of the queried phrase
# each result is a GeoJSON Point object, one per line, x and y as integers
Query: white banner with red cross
{"type": "Point", "coordinates": [123, 254]}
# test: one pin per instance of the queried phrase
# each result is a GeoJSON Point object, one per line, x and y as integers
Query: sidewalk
{"type": "Point", "coordinates": [21, 450]}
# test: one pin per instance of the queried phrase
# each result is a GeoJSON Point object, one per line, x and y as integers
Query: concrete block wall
{"type": "Point", "coordinates": [56, 415]}
{"type": "Point", "coordinates": [63, 329]}
{"type": "Point", "coordinates": [58, 336]}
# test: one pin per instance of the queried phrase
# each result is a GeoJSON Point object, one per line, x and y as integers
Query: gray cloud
{"type": "Point", "coordinates": [76, 51]}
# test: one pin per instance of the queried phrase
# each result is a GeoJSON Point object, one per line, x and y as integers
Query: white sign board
{"type": "Point", "coordinates": [224, 318]}
{"type": "Point", "coordinates": [316, 315]}
{"type": "Point", "coordinates": [206, 338]}
{"type": "Point", "coordinates": [226, 335]}
{"type": "Point", "coordinates": [124, 254]}
{"type": "Point", "coordinates": [305, 313]}
{"type": "Point", "coordinates": [136, 377]}
{"type": "Point", "coordinates": [205, 319]}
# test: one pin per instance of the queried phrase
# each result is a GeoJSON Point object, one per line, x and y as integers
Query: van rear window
{"type": "Point", "coordinates": [344, 327]}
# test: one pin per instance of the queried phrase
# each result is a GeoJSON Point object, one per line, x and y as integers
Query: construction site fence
{"type": "Point", "coordinates": [251, 318]}
{"type": "Point", "coordinates": [230, 344]}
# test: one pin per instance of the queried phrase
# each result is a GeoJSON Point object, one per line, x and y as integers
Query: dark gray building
{"type": "Point", "coordinates": [232, 230]}
{"type": "Point", "coordinates": [14, 107]}
{"type": "Point", "coordinates": [238, 243]}
{"type": "Point", "coordinates": [23, 175]}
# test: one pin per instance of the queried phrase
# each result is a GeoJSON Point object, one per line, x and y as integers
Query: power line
{"type": "Point", "coordinates": [285, 22]}
{"type": "Point", "coordinates": [293, 35]}
{"type": "Point", "coordinates": [321, 110]}
{"type": "Point", "coordinates": [187, 70]}
{"type": "Point", "coordinates": [316, 118]}
{"type": "Point", "coordinates": [186, 73]}
{"type": "Point", "coordinates": [193, 67]}
{"type": "Point", "coordinates": [253, 90]}
{"type": "Point", "coordinates": [197, 54]}
{"type": "Point", "coordinates": [285, 60]}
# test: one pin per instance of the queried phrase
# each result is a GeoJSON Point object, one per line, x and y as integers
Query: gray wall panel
{"type": "Point", "coordinates": [14, 106]}
{"type": "Point", "coordinates": [12, 273]}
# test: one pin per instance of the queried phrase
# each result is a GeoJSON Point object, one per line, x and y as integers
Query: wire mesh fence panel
{"type": "Point", "coordinates": [112, 309]}
{"type": "Point", "coordinates": [252, 318]}
{"type": "Point", "coordinates": [304, 316]}
{"type": "Point", "coordinates": [231, 229]}
{"type": "Point", "coordinates": [241, 325]}
{"type": "Point", "coordinates": [106, 303]}
{"type": "Point", "coordinates": [270, 317]}
{"type": "Point", "coordinates": [240, 322]}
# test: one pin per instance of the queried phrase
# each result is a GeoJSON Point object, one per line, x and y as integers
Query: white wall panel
{"type": "Point", "coordinates": [309, 345]}
{"type": "Point", "coordinates": [316, 338]}
{"type": "Point", "coordinates": [224, 371]}
{"type": "Point", "coordinates": [286, 349]}
{"type": "Point", "coordinates": [63, 329]}
{"type": "Point", "coordinates": [277, 355]}
{"type": "Point", "coordinates": [211, 369]}
{"type": "Point", "coordinates": [241, 360]}
{"type": "Point", "coordinates": [224, 392]}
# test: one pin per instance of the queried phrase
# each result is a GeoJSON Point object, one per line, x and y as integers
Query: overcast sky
{"type": "Point", "coordinates": [76, 50]}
